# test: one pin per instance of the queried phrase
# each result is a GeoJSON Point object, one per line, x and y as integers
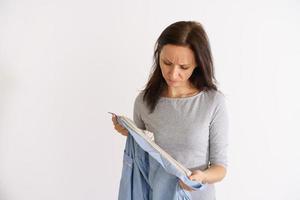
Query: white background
{"type": "Point", "coordinates": [65, 64]}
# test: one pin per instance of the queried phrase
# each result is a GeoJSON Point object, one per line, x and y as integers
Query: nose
{"type": "Point", "coordinates": [173, 74]}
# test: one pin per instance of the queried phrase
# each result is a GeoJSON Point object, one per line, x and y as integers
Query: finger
{"type": "Point", "coordinates": [114, 119]}
{"type": "Point", "coordinates": [187, 187]}
{"type": "Point", "coordinates": [192, 177]}
{"type": "Point", "coordinates": [122, 131]}
{"type": "Point", "coordinates": [119, 127]}
{"type": "Point", "coordinates": [184, 186]}
{"type": "Point", "coordinates": [125, 133]}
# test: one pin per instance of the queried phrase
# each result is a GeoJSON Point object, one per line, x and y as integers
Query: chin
{"type": "Point", "coordinates": [173, 84]}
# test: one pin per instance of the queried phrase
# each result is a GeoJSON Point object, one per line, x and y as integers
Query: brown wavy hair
{"type": "Point", "coordinates": [182, 33]}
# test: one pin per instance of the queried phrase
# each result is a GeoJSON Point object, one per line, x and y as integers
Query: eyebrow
{"type": "Point", "coordinates": [166, 59]}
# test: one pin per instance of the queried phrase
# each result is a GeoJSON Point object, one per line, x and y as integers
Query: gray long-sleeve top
{"type": "Point", "coordinates": [193, 130]}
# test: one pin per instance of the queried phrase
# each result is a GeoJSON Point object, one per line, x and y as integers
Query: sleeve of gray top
{"type": "Point", "coordinates": [137, 113]}
{"type": "Point", "coordinates": [218, 133]}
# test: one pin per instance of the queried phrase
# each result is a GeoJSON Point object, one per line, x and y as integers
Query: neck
{"type": "Point", "coordinates": [183, 91]}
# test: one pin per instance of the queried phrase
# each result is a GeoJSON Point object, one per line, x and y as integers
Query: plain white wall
{"type": "Point", "coordinates": [65, 64]}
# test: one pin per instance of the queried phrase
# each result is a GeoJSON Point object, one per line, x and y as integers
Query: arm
{"type": "Point", "coordinates": [213, 174]}
{"type": "Point", "coordinates": [137, 118]}
{"type": "Point", "coordinates": [218, 143]}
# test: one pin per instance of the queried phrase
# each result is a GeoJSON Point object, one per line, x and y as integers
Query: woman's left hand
{"type": "Point", "coordinates": [197, 175]}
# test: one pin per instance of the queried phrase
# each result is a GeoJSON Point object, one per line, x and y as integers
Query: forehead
{"type": "Point", "coordinates": [175, 53]}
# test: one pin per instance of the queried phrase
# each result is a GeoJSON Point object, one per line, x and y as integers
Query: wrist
{"type": "Point", "coordinates": [205, 178]}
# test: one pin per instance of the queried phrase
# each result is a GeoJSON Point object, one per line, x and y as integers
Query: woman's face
{"type": "Point", "coordinates": [177, 64]}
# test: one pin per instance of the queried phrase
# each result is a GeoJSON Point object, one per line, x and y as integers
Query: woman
{"type": "Point", "coordinates": [182, 106]}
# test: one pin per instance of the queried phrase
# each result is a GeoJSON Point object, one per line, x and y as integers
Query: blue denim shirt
{"type": "Point", "coordinates": [147, 175]}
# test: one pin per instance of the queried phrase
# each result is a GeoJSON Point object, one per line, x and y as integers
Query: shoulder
{"type": "Point", "coordinates": [139, 96]}
{"type": "Point", "coordinates": [216, 97]}
{"type": "Point", "coordinates": [138, 101]}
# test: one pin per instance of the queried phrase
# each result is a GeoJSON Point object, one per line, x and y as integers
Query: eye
{"type": "Point", "coordinates": [167, 63]}
{"type": "Point", "coordinates": [184, 68]}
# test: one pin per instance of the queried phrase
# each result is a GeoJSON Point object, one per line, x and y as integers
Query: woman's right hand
{"type": "Point", "coordinates": [118, 127]}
